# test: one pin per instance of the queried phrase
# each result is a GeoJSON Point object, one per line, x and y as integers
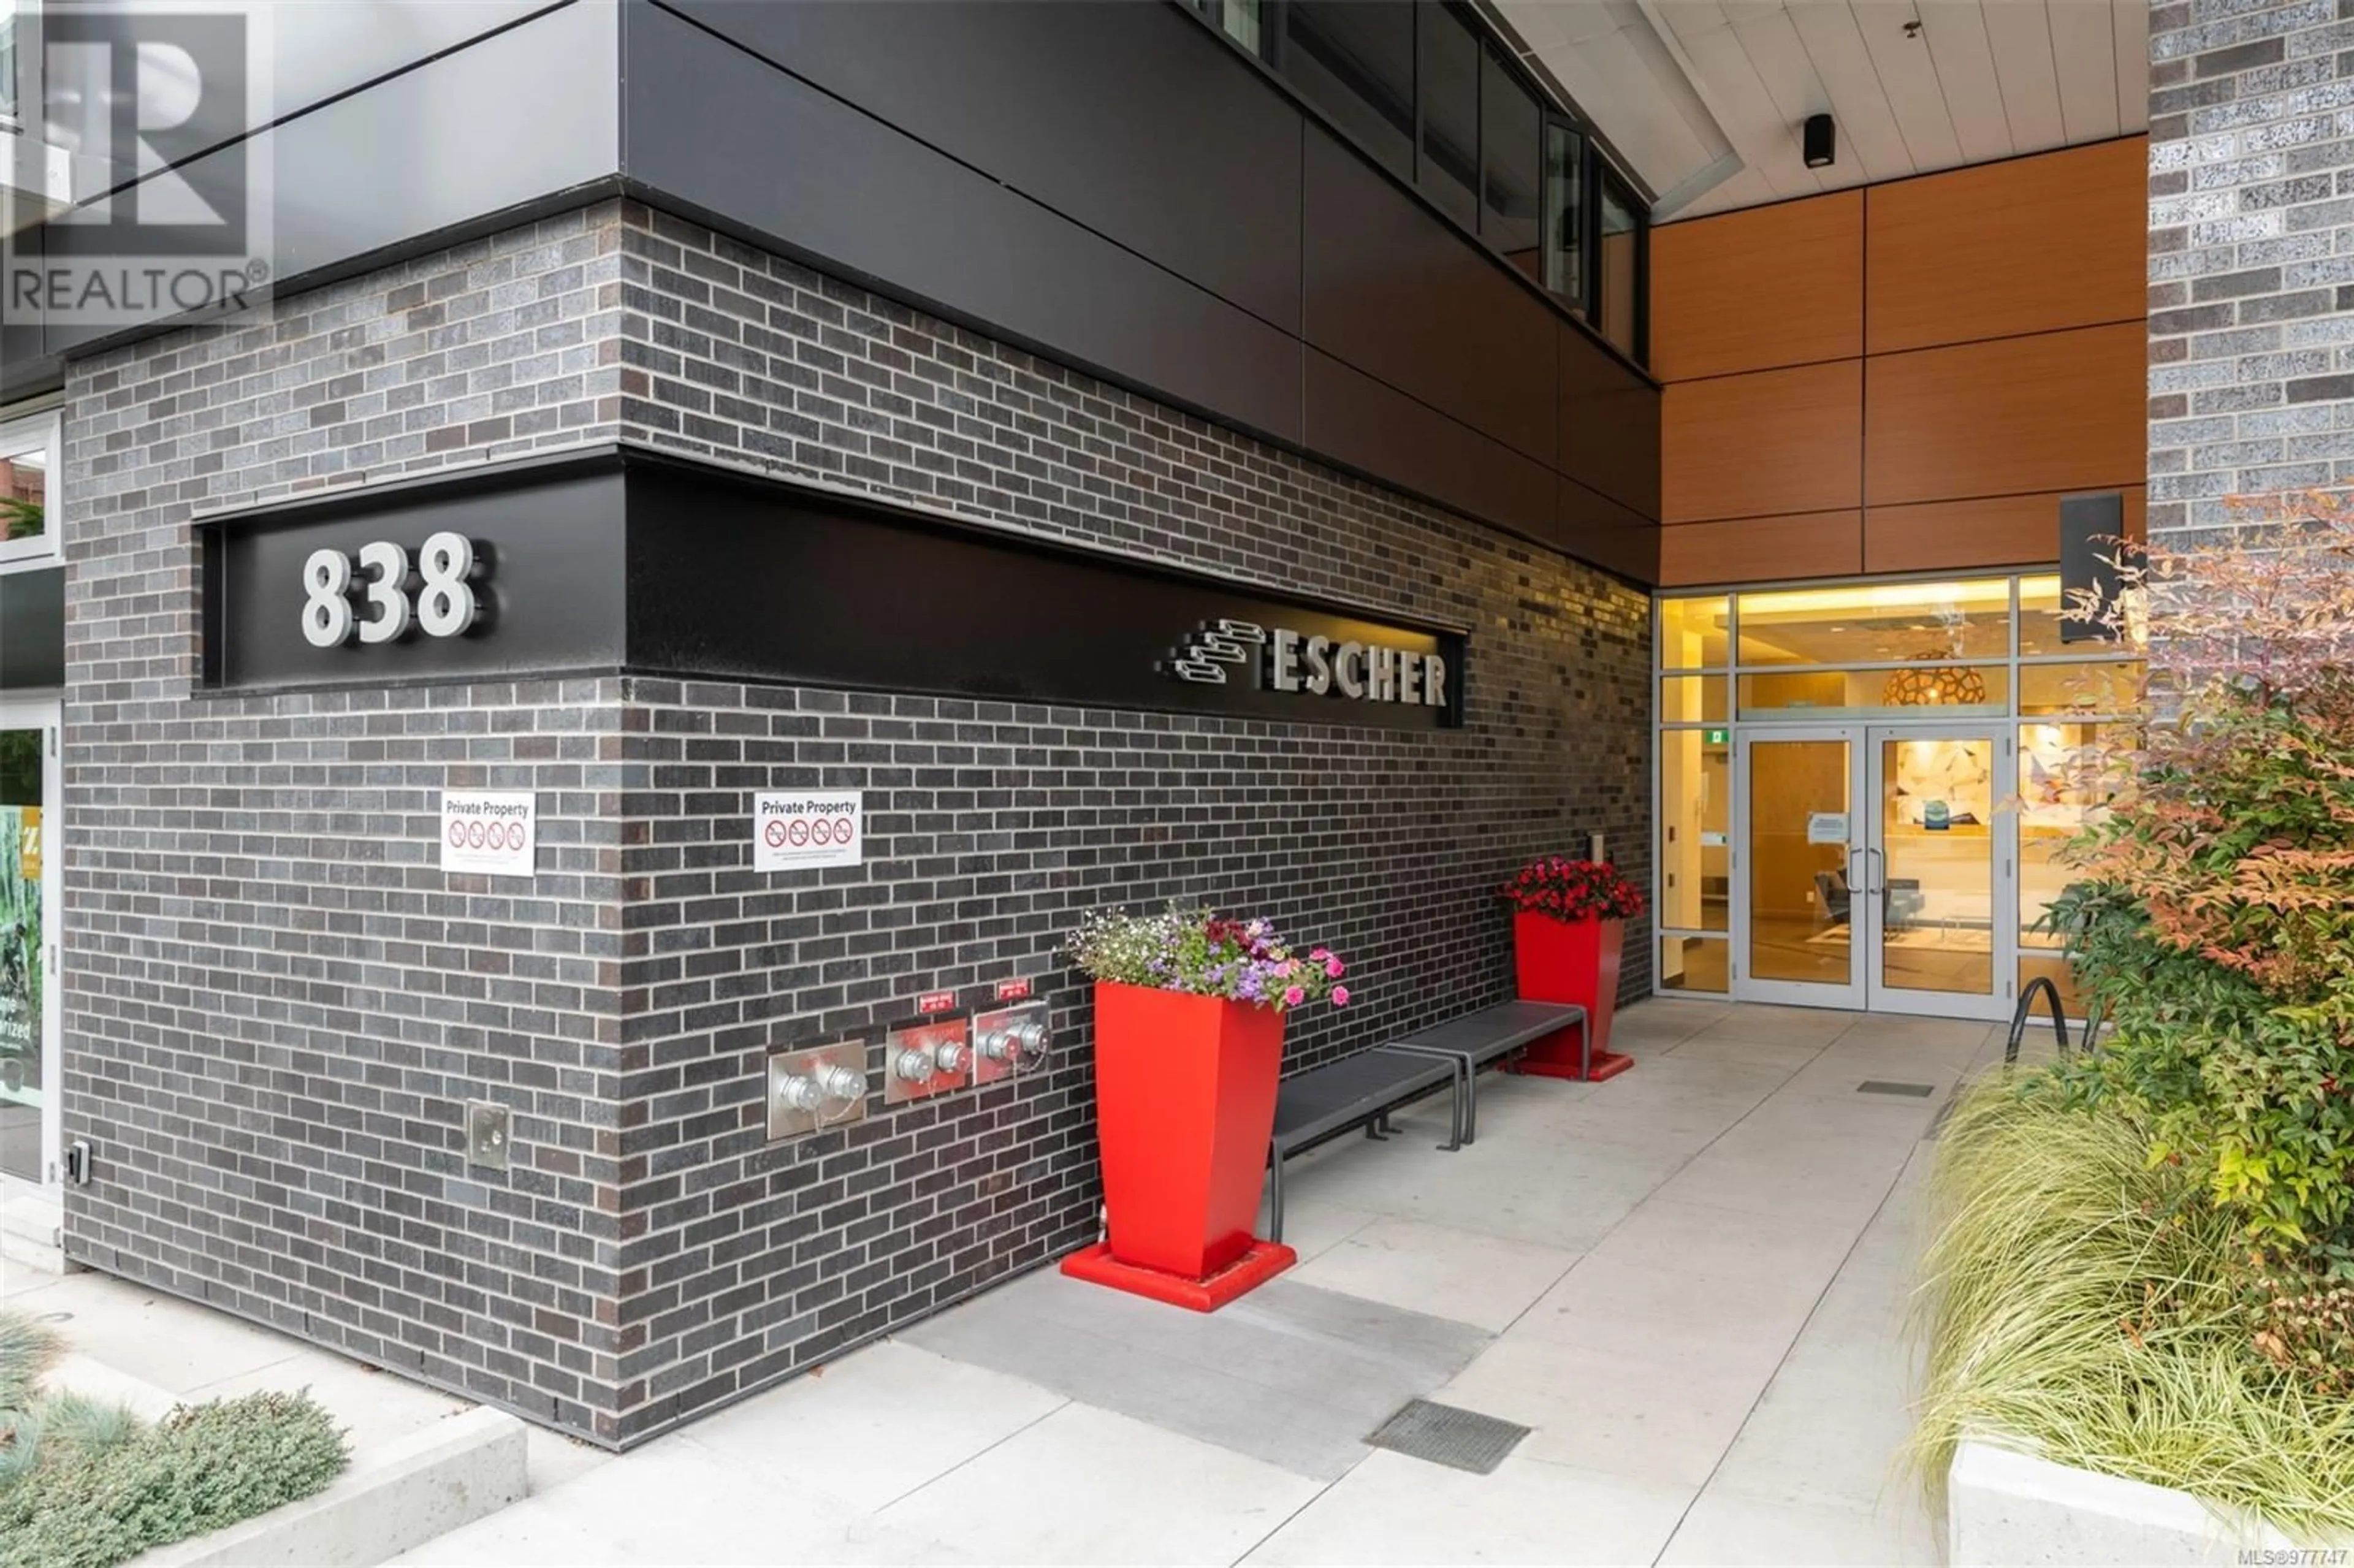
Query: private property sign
{"type": "Point", "coordinates": [490, 832]}
{"type": "Point", "coordinates": [808, 828]}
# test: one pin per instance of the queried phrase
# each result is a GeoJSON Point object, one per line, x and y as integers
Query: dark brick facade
{"type": "Point", "coordinates": [2251, 196]}
{"type": "Point", "coordinates": [275, 1004]}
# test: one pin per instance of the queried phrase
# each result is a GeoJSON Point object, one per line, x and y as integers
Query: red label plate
{"type": "Point", "coordinates": [1013, 990]}
{"type": "Point", "coordinates": [935, 1001]}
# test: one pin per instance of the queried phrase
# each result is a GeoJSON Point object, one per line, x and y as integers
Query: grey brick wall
{"type": "Point", "coordinates": [275, 1004]}
{"type": "Point", "coordinates": [2251, 263]}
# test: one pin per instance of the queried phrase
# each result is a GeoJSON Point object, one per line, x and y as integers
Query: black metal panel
{"type": "Point", "coordinates": [33, 628]}
{"type": "Point", "coordinates": [1609, 425]}
{"type": "Point", "coordinates": [739, 578]}
{"type": "Point", "coordinates": [1127, 118]}
{"type": "Point", "coordinates": [1404, 298]}
{"type": "Point", "coordinates": [2091, 546]}
{"type": "Point", "coordinates": [550, 541]}
{"type": "Point", "coordinates": [495, 128]}
{"type": "Point", "coordinates": [1381, 431]}
{"type": "Point", "coordinates": [715, 128]}
{"type": "Point", "coordinates": [1597, 529]}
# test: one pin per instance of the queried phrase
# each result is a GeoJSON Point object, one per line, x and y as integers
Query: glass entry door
{"type": "Point", "coordinates": [29, 876]}
{"type": "Point", "coordinates": [1797, 865]}
{"type": "Point", "coordinates": [1872, 865]}
{"type": "Point", "coordinates": [1938, 856]}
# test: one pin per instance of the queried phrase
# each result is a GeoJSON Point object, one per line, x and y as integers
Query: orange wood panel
{"type": "Point", "coordinates": [2030, 245]}
{"type": "Point", "coordinates": [2058, 411]}
{"type": "Point", "coordinates": [1952, 535]}
{"type": "Point", "coordinates": [1750, 291]}
{"type": "Point", "coordinates": [1762, 549]}
{"type": "Point", "coordinates": [1774, 441]}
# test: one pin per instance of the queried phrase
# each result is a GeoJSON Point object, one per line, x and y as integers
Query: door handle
{"type": "Point", "coordinates": [1880, 880]}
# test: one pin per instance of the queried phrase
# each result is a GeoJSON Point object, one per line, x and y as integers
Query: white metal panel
{"type": "Point", "coordinates": [2019, 33]}
{"type": "Point", "coordinates": [1760, 133]}
{"type": "Point", "coordinates": [1957, 44]}
{"type": "Point", "coordinates": [1747, 188]}
{"type": "Point", "coordinates": [1663, 146]}
{"type": "Point", "coordinates": [1909, 77]}
{"type": "Point", "coordinates": [2133, 64]}
{"type": "Point", "coordinates": [1868, 132]}
{"type": "Point", "coordinates": [1780, 57]}
{"type": "Point", "coordinates": [2085, 54]}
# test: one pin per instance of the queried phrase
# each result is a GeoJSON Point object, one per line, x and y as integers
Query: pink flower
{"type": "Point", "coordinates": [1335, 968]}
{"type": "Point", "coordinates": [1320, 954]}
{"type": "Point", "coordinates": [1294, 997]}
{"type": "Point", "coordinates": [1339, 996]}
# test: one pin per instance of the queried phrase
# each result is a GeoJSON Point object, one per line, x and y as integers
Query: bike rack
{"type": "Point", "coordinates": [2019, 1019]}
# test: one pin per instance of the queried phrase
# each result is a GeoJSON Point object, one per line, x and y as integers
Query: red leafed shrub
{"type": "Point", "coordinates": [1574, 890]}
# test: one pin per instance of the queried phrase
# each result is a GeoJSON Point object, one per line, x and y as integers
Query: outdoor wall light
{"type": "Point", "coordinates": [1818, 138]}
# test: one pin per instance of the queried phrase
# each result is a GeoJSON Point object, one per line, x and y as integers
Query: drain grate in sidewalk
{"type": "Point", "coordinates": [1883, 1086]}
{"type": "Point", "coordinates": [1460, 1439]}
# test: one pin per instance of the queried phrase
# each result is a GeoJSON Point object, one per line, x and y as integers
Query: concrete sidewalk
{"type": "Point", "coordinates": [1690, 1282]}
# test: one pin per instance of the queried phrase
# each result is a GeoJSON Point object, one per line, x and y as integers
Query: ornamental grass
{"type": "Point", "coordinates": [2087, 1304]}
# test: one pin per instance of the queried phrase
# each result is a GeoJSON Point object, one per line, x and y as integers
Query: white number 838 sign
{"type": "Point", "coordinates": [444, 604]}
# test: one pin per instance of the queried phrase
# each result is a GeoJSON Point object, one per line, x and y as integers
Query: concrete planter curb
{"type": "Point", "coordinates": [2004, 1507]}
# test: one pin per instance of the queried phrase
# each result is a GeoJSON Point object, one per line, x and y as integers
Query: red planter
{"type": "Point", "coordinates": [1571, 960]}
{"type": "Point", "coordinates": [1185, 1106]}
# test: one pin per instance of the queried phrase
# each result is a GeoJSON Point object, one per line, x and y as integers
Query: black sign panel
{"type": "Point", "coordinates": [618, 562]}
{"type": "Point", "coordinates": [763, 582]}
{"type": "Point", "coordinates": [547, 579]}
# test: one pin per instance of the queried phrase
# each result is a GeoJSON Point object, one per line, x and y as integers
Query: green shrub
{"type": "Point", "coordinates": [2081, 1298]}
{"type": "Point", "coordinates": [202, 1468]}
{"type": "Point", "coordinates": [26, 1348]}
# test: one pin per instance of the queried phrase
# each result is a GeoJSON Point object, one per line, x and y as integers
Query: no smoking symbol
{"type": "Point", "coordinates": [799, 832]}
{"type": "Point", "coordinates": [515, 835]}
{"type": "Point", "coordinates": [775, 834]}
{"type": "Point", "coordinates": [822, 832]}
{"type": "Point", "coordinates": [457, 835]}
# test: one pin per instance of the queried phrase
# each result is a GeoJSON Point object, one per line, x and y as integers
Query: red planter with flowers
{"type": "Point", "coordinates": [1569, 927]}
{"type": "Point", "coordinates": [1189, 1048]}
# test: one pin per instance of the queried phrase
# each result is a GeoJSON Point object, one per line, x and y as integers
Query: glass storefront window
{"type": "Point", "coordinates": [1692, 633]}
{"type": "Point", "coordinates": [1877, 623]}
{"type": "Point", "coordinates": [2066, 772]}
{"type": "Point", "coordinates": [21, 982]}
{"type": "Point", "coordinates": [2106, 688]}
{"type": "Point", "coordinates": [1691, 699]}
{"type": "Point", "coordinates": [1696, 817]}
{"type": "Point", "coordinates": [1693, 963]}
{"type": "Point", "coordinates": [2041, 604]}
{"type": "Point", "coordinates": [28, 456]}
{"type": "Point", "coordinates": [1921, 692]}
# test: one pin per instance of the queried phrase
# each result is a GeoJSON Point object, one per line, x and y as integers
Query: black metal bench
{"type": "Point", "coordinates": [1362, 1090]}
{"type": "Point", "coordinates": [1480, 1039]}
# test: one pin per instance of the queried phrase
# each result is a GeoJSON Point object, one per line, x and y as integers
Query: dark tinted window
{"type": "Point", "coordinates": [1355, 60]}
{"type": "Point", "coordinates": [1619, 268]}
{"type": "Point", "coordinates": [1243, 21]}
{"type": "Point", "coordinates": [1565, 223]}
{"type": "Point", "coordinates": [1448, 170]}
{"type": "Point", "coordinates": [1512, 195]}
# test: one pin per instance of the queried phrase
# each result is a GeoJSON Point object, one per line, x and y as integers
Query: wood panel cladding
{"type": "Point", "coordinates": [1761, 550]}
{"type": "Point", "coordinates": [2057, 411]}
{"type": "Point", "coordinates": [1752, 291]}
{"type": "Point", "coordinates": [1771, 442]}
{"type": "Point", "coordinates": [1955, 535]}
{"type": "Point", "coordinates": [2033, 245]}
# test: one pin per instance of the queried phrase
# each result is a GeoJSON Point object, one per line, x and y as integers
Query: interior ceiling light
{"type": "Point", "coordinates": [1934, 688]}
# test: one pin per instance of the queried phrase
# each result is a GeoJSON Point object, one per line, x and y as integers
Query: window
{"type": "Point", "coordinates": [1511, 147]}
{"type": "Point", "coordinates": [1449, 98]}
{"type": "Point", "coordinates": [1564, 223]}
{"type": "Point", "coordinates": [1618, 268]}
{"type": "Point", "coordinates": [1241, 20]}
{"type": "Point", "coordinates": [9, 118]}
{"type": "Point", "coordinates": [28, 464]}
{"type": "Point", "coordinates": [1355, 60]}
